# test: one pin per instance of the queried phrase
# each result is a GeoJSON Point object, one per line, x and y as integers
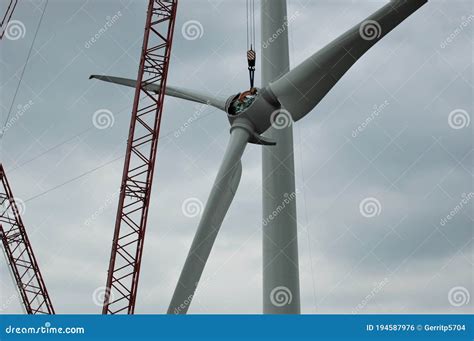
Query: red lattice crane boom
{"type": "Point", "coordinates": [19, 253]}
{"type": "Point", "coordinates": [135, 190]}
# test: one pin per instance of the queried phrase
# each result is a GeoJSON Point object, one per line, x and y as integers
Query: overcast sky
{"type": "Point", "coordinates": [414, 158]}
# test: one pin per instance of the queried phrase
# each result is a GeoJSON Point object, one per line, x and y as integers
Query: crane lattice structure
{"type": "Point", "coordinates": [135, 190]}
{"type": "Point", "coordinates": [19, 254]}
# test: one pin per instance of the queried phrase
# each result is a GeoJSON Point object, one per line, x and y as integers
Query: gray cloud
{"type": "Point", "coordinates": [408, 157]}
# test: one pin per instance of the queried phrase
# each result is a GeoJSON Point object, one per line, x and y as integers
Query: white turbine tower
{"type": "Point", "coordinates": [286, 92]}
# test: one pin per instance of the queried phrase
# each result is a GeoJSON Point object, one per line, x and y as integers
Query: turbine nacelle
{"type": "Point", "coordinates": [255, 110]}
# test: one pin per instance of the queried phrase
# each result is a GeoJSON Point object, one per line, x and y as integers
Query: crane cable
{"type": "Point", "coordinates": [99, 167]}
{"type": "Point", "coordinates": [303, 182]}
{"type": "Point", "coordinates": [3, 131]}
{"type": "Point", "coordinates": [56, 146]}
{"type": "Point", "coordinates": [251, 54]}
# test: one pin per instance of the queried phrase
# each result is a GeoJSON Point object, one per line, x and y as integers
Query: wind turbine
{"type": "Point", "coordinates": [283, 92]}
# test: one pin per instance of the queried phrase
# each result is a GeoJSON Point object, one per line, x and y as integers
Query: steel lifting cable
{"type": "Point", "coordinates": [97, 168]}
{"type": "Point", "coordinates": [251, 54]}
{"type": "Point", "coordinates": [8, 16]}
{"type": "Point", "coordinates": [250, 24]}
{"type": "Point", "coordinates": [56, 146]}
{"type": "Point", "coordinates": [303, 181]}
{"type": "Point", "coordinates": [23, 71]}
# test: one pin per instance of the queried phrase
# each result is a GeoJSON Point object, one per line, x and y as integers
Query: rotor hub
{"type": "Point", "coordinates": [255, 106]}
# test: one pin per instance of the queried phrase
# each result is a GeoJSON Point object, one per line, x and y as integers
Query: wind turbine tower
{"type": "Point", "coordinates": [280, 235]}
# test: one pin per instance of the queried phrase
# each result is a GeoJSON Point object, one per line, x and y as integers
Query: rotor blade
{"type": "Point", "coordinates": [217, 205]}
{"type": "Point", "coordinates": [186, 94]}
{"type": "Point", "coordinates": [301, 89]}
